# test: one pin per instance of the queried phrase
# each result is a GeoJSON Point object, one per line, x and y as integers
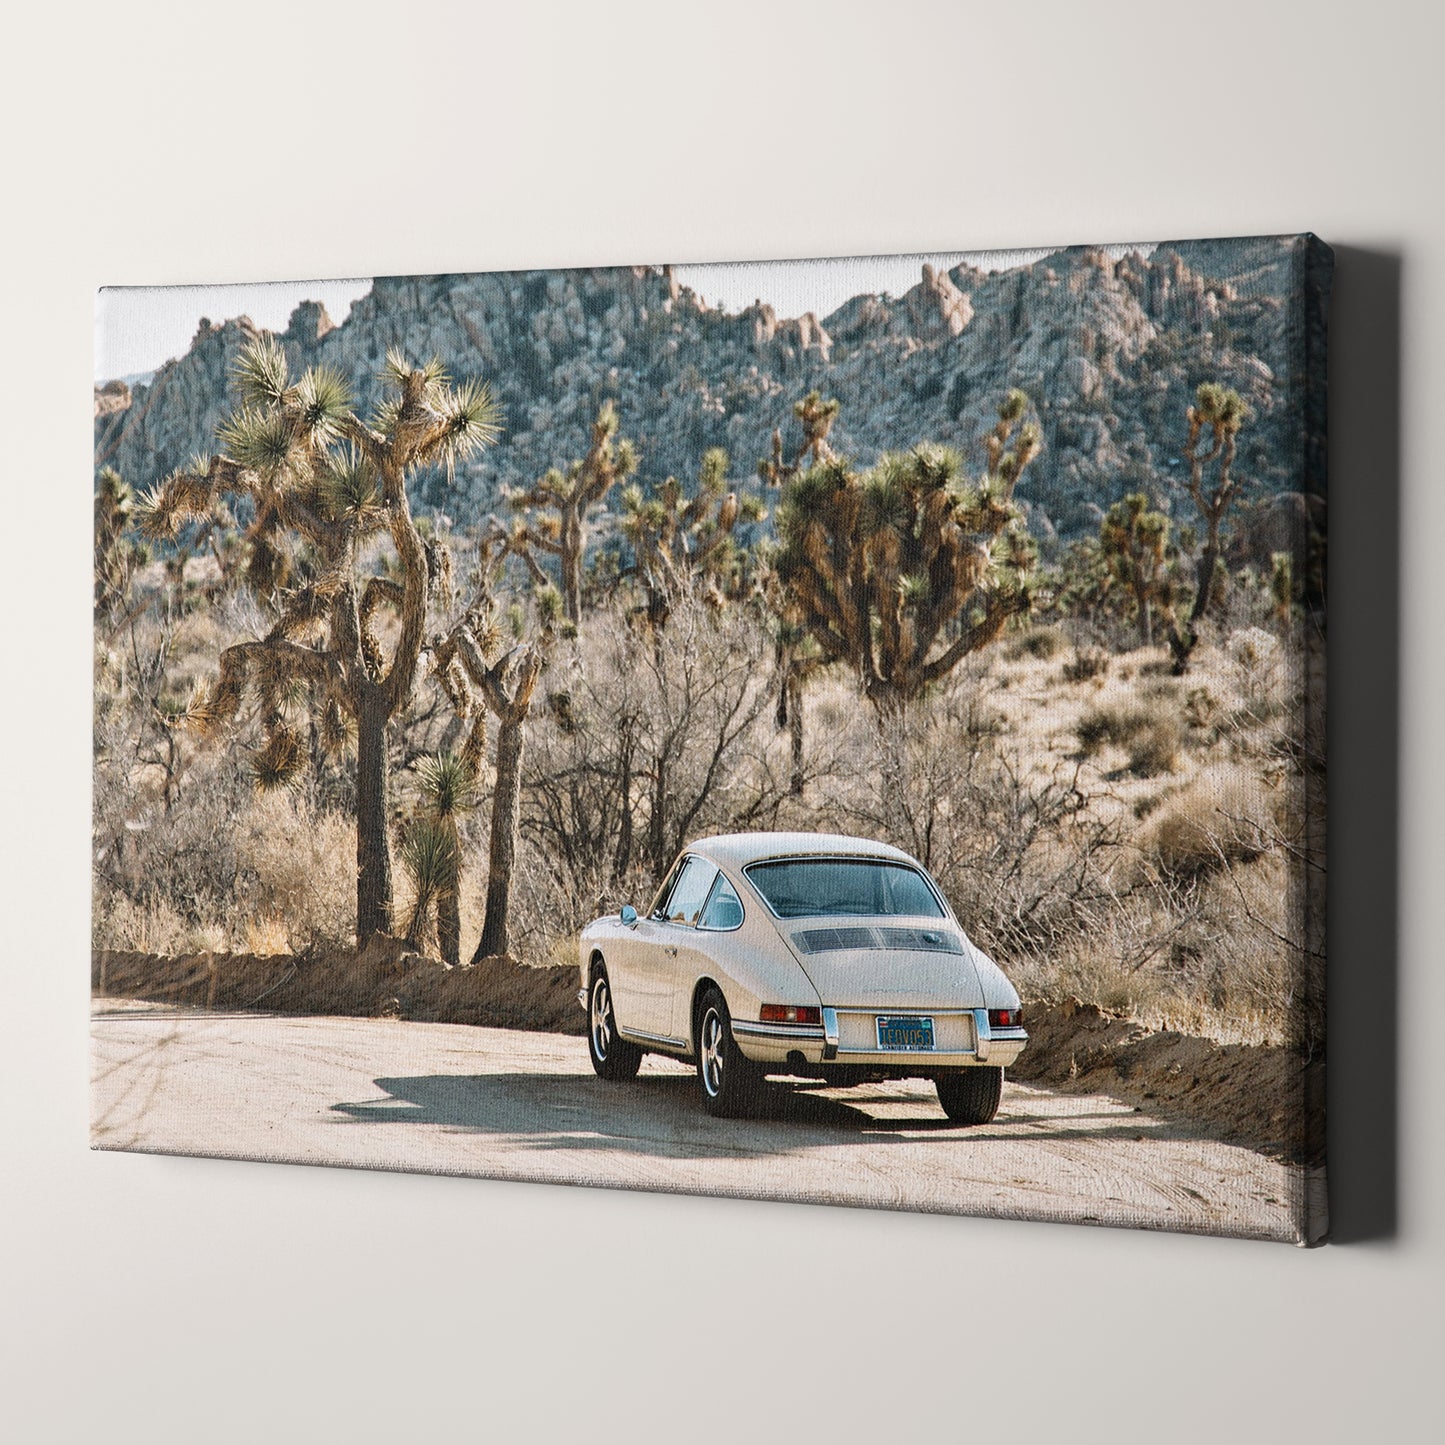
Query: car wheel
{"type": "Point", "coordinates": [728, 1080]}
{"type": "Point", "coordinates": [612, 1056]}
{"type": "Point", "coordinates": [970, 1096]}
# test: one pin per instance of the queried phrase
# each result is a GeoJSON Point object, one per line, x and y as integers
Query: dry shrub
{"type": "Point", "coordinates": [1148, 730]}
{"type": "Point", "coordinates": [1044, 643]}
{"type": "Point", "coordinates": [1222, 816]}
{"type": "Point", "coordinates": [1260, 671]}
{"type": "Point", "coordinates": [1086, 664]}
{"type": "Point", "coordinates": [1201, 707]}
{"type": "Point", "coordinates": [296, 866]}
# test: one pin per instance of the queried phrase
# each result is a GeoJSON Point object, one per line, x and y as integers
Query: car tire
{"type": "Point", "coordinates": [613, 1058]}
{"type": "Point", "coordinates": [970, 1096]}
{"type": "Point", "coordinates": [729, 1081]}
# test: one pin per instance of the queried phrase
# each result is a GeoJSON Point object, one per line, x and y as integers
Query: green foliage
{"type": "Point", "coordinates": [351, 491]}
{"type": "Point", "coordinates": [448, 784]}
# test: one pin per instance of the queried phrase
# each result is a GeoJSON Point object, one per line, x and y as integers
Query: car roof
{"type": "Point", "coordinates": [739, 849]}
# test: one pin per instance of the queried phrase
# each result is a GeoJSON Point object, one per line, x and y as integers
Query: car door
{"type": "Point", "coordinates": [675, 960]}
{"type": "Point", "coordinates": [632, 970]}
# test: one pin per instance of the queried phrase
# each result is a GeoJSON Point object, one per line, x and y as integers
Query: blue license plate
{"type": "Point", "coordinates": [904, 1034]}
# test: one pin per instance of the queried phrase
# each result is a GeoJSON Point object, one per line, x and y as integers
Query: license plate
{"type": "Point", "coordinates": [904, 1034]}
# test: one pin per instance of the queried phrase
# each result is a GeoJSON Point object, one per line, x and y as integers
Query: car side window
{"type": "Point", "coordinates": [724, 909]}
{"type": "Point", "coordinates": [659, 903]}
{"type": "Point", "coordinates": [689, 893]}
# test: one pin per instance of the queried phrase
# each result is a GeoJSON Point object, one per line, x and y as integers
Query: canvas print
{"type": "Point", "coordinates": [845, 731]}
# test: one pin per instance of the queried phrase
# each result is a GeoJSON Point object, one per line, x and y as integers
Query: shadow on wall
{"type": "Point", "coordinates": [1364, 761]}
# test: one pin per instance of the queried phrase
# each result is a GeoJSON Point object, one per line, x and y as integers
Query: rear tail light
{"type": "Point", "coordinates": [1004, 1018]}
{"type": "Point", "coordinates": [786, 1013]}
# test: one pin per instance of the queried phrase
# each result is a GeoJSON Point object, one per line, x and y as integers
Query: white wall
{"type": "Point", "coordinates": [176, 1300]}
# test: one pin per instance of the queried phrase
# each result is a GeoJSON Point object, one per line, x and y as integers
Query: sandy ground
{"type": "Point", "coordinates": [504, 1104]}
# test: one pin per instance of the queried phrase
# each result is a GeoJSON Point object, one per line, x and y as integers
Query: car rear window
{"type": "Point", "coordinates": [862, 887]}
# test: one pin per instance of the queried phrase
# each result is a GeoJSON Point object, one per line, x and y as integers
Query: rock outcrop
{"type": "Point", "coordinates": [1108, 349]}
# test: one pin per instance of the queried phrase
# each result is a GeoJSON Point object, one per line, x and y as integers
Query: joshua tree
{"type": "Point", "coordinates": [688, 544]}
{"type": "Point", "coordinates": [906, 569]}
{"type": "Point", "coordinates": [565, 499]}
{"type": "Point", "coordinates": [317, 474]}
{"type": "Point", "coordinates": [476, 679]}
{"type": "Point", "coordinates": [816, 417]}
{"type": "Point", "coordinates": [1135, 545]}
{"type": "Point", "coordinates": [116, 552]}
{"type": "Point", "coordinates": [1214, 423]}
{"type": "Point", "coordinates": [798, 658]}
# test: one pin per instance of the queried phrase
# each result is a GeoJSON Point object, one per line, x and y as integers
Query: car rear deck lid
{"type": "Point", "coordinates": [832, 940]}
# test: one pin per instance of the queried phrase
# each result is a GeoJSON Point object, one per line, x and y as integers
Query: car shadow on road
{"type": "Point", "coordinates": [660, 1116]}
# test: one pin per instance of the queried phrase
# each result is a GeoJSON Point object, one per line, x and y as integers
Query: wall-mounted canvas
{"type": "Point", "coordinates": [845, 731]}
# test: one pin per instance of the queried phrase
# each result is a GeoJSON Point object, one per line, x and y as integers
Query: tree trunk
{"type": "Point", "coordinates": [449, 926]}
{"type": "Point", "coordinates": [573, 545]}
{"type": "Point", "coordinates": [373, 851]}
{"type": "Point", "coordinates": [622, 859]}
{"type": "Point", "coordinates": [506, 806]}
{"type": "Point", "coordinates": [1205, 585]}
{"type": "Point", "coordinates": [795, 732]}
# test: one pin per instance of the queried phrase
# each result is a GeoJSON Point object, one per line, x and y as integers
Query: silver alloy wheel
{"type": "Point", "coordinates": [712, 1052]}
{"type": "Point", "coordinates": [601, 1018]}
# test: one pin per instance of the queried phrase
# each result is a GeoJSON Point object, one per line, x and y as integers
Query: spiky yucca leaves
{"type": "Point", "coordinates": [686, 544]}
{"type": "Point", "coordinates": [281, 762]}
{"type": "Point", "coordinates": [318, 480]}
{"type": "Point", "coordinates": [350, 492]}
{"type": "Point", "coordinates": [558, 505]}
{"type": "Point", "coordinates": [1213, 425]}
{"type": "Point", "coordinates": [1135, 546]}
{"type": "Point", "coordinates": [904, 570]}
{"type": "Point", "coordinates": [429, 855]}
{"type": "Point", "coordinates": [450, 789]}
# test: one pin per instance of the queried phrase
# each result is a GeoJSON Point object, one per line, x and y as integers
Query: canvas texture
{"type": "Point", "coordinates": [846, 731]}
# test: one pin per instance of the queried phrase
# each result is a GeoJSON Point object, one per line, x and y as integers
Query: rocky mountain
{"type": "Point", "coordinates": [1109, 350]}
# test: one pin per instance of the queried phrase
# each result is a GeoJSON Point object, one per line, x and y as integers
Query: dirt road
{"type": "Point", "coordinates": [503, 1104]}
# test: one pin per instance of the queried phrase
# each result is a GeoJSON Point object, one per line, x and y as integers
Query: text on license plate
{"type": "Point", "coordinates": [904, 1033]}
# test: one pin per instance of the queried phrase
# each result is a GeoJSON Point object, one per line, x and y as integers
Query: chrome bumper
{"type": "Point", "coordinates": [824, 1045]}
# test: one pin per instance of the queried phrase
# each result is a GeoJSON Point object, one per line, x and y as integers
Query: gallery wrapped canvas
{"type": "Point", "coordinates": [845, 731]}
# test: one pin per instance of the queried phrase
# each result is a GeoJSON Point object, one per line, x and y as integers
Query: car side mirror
{"type": "Point", "coordinates": [629, 916]}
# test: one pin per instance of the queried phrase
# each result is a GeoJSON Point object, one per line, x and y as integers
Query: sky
{"type": "Point", "coordinates": [139, 328]}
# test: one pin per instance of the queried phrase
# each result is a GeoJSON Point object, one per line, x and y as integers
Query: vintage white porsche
{"type": "Point", "coordinates": [800, 954]}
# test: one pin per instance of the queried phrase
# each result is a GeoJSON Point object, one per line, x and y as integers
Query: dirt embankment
{"type": "Point", "coordinates": [383, 980]}
{"type": "Point", "coordinates": [1261, 1095]}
